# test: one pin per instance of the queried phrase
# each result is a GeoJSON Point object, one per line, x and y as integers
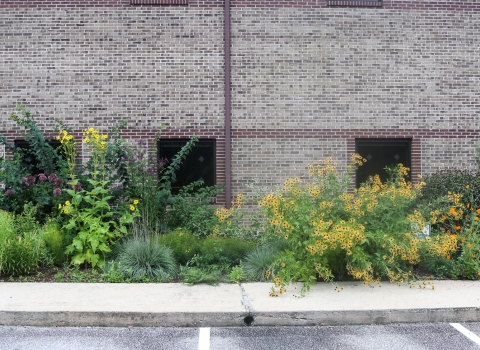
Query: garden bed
{"type": "Point", "coordinates": [117, 219]}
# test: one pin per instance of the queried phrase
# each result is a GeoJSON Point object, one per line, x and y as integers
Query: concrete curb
{"type": "Point", "coordinates": [232, 305]}
{"type": "Point", "coordinates": [121, 319]}
{"type": "Point", "coordinates": [188, 319]}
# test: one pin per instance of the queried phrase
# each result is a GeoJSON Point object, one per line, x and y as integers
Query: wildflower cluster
{"type": "Point", "coordinates": [68, 148]}
{"type": "Point", "coordinates": [369, 233]}
{"type": "Point", "coordinates": [225, 218]}
{"type": "Point", "coordinates": [97, 142]}
{"type": "Point", "coordinates": [455, 229]}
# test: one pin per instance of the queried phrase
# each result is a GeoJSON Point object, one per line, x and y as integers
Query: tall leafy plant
{"type": "Point", "coordinates": [92, 222]}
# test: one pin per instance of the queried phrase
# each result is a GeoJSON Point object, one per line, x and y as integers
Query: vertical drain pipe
{"type": "Point", "coordinates": [228, 146]}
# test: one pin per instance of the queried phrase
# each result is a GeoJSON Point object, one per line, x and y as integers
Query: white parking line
{"type": "Point", "coordinates": [204, 339]}
{"type": "Point", "coordinates": [470, 335]}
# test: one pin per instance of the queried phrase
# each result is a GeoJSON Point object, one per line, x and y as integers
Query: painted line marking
{"type": "Point", "coordinates": [204, 339]}
{"type": "Point", "coordinates": [470, 335]}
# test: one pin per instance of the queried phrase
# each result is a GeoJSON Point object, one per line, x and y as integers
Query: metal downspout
{"type": "Point", "coordinates": [228, 175]}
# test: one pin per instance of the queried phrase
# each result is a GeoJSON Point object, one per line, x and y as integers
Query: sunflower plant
{"type": "Point", "coordinates": [91, 220]}
{"type": "Point", "coordinates": [331, 231]}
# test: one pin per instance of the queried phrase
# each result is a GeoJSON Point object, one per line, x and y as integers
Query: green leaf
{"type": "Point", "coordinates": [78, 259]}
{"type": "Point", "coordinates": [95, 259]}
{"type": "Point", "coordinates": [94, 244]}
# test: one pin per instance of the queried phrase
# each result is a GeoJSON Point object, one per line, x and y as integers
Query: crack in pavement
{"type": "Point", "coordinates": [245, 299]}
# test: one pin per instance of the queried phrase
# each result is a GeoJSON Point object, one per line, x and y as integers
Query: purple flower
{"type": "Point", "coordinates": [57, 192]}
{"type": "Point", "coordinates": [58, 182]}
{"type": "Point", "coordinates": [52, 178]}
{"type": "Point", "coordinates": [120, 198]}
{"type": "Point", "coordinates": [42, 177]}
{"type": "Point", "coordinates": [8, 192]}
{"type": "Point", "coordinates": [25, 181]}
{"type": "Point", "coordinates": [31, 179]}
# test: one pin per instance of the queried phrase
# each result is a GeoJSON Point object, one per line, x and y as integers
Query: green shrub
{"type": "Point", "coordinates": [225, 250]}
{"type": "Point", "coordinates": [441, 183]}
{"type": "Point", "coordinates": [237, 275]}
{"type": "Point", "coordinates": [7, 234]}
{"type": "Point", "coordinates": [17, 172]}
{"type": "Point", "coordinates": [193, 275]}
{"type": "Point", "coordinates": [20, 243]}
{"type": "Point", "coordinates": [183, 244]}
{"type": "Point", "coordinates": [191, 209]}
{"type": "Point", "coordinates": [143, 257]}
{"type": "Point", "coordinates": [55, 243]}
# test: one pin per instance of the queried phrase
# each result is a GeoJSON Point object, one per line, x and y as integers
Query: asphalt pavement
{"type": "Point", "coordinates": [233, 305]}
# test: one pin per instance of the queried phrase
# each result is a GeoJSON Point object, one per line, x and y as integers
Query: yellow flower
{"type": "Point", "coordinates": [135, 201]}
{"type": "Point", "coordinates": [282, 264]}
{"type": "Point", "coordinates": [132, 208]}
{"type": "Point", "coordinates": [67, 203]}
{"type": "Point", "coordinates": [66, 211]}
{"type": "Point", "coordinates": [59, 206]}
{"type": "Point", "coordinates": [469, 245]}
{"type": "Point", "coordinates": [467, 186]}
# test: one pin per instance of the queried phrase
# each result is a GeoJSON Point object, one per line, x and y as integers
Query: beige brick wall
{"type": "Point", "coordinates": [355, 68]}
{"type": "Point", "coordinates": [449, 153]}
{"type": "Point", "coordinates": [270, 161]}
{"type": "Point", "coordinates": [324, 76]}
{"type": "Point", "coordinates": [96, 67]}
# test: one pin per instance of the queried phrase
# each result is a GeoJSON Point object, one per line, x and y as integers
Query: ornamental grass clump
{"type": "Point", "coordinates": [142, 257]}
{"type": "Point", "coordinates": [369, 234]}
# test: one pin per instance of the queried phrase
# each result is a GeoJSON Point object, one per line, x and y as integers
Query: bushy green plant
{"type": "Point", "coordinates": [440, 184]}
{"type": "Point", "coordinates": [191, 209]}
{"type": "Point", "coordinates": [369, 234]}
{"type": "Point", "coordinates": [237, 275]}
{"type": "Point", "coordinates": [21, 178]}
{"type": "Point", "coordinates": [91, 219]}
{"type": "Point", "coordinates": [7, 234]}
{"type": "Point", "coordinates": [55, 243]}
{"type": "Point", "coordinates": [224, 250]}
{"type": "Point", "coordinates": [143, 257]}
{"type": "Point", "coordinates": [456, 216]}
{"type": "Point", "coordinates": [194, 275]}
{"type": "Point", "coordinates": [20, 244]}
{"type": "Point", "coordinates": [239, 222]}
{"type": "Point", "coordinates": [184, 245]}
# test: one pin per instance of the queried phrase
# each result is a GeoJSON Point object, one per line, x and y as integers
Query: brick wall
{"type": "Point", "coordinates": [310, 75]}
{"type": "Point", "coordinates": [307, 79]}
